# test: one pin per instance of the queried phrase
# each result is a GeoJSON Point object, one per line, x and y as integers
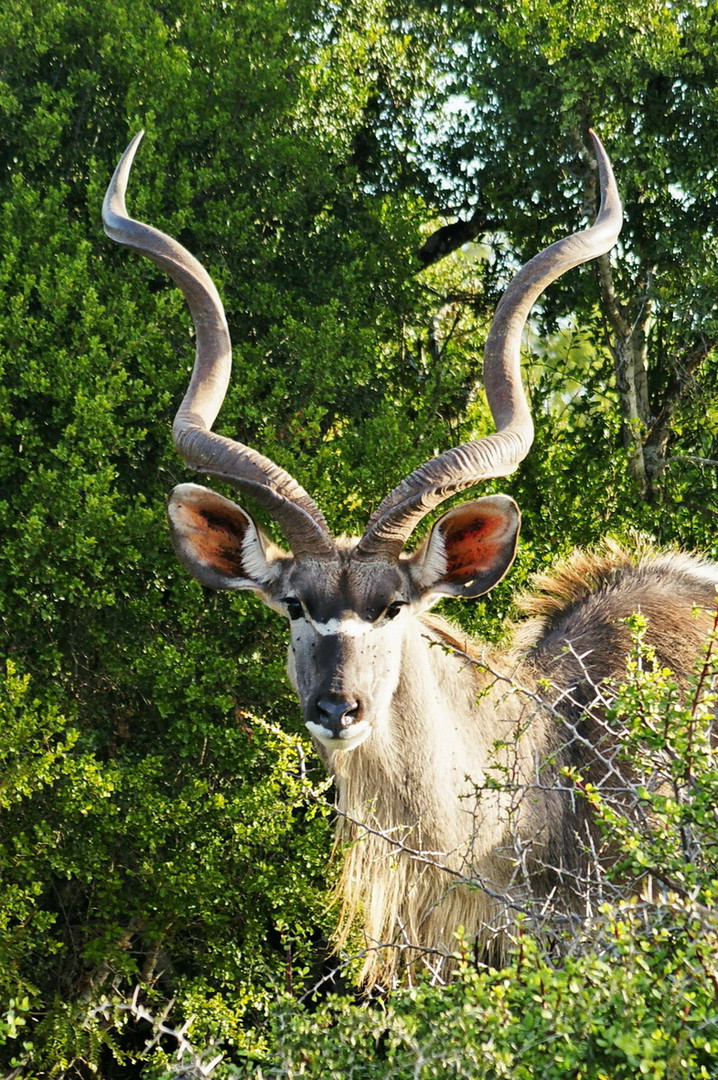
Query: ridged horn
{"type": "Point", "coordinates": [501, 453]}
{"type": "Point", "coordinates": [289, 504]}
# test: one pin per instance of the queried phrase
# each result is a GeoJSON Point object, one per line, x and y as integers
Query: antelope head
{"type": "Point", "coordinates": [350, 604]}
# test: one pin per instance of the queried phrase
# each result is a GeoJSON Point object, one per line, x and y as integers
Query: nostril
{"type": "Point", "coordinates": [350, 715]}
{"type": "Point", "coordinates": [335, 714]}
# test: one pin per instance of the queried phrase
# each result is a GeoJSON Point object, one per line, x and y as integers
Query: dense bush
{"type": "Point", "coordinates": [164, 832]}
{"type": "Point", "coordinates": [634, 994]}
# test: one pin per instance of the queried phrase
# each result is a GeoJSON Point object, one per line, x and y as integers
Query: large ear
{"type": "Point", "coordinates": [469, 549]}
{"type": "Point", "coordinates": [219, 543]}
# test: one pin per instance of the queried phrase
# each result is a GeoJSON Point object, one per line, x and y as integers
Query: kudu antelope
{"type": "Point", "coordinates": [412, 731]}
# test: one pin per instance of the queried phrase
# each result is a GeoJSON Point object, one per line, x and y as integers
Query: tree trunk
{"type": "Point", "coordinates": [630, 354]}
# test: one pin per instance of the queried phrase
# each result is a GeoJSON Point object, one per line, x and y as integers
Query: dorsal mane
{"type": "Point", "coordinates": [451, 637]}
{"type": "Point", "coordinates": [448, 634]}
{"type": "Point", "coordinates": [583, 576]}
{"type": "Point", "coordinates": [582, 573]}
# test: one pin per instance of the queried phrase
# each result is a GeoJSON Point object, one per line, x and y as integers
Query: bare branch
{"type": "Point", "coordinates": [451, 237]}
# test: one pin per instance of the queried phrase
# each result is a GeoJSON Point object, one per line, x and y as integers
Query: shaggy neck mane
{"type": "Point", "coordinates": [409, 819]}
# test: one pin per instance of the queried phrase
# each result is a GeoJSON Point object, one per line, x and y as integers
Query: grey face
{"type": "Point", "coordinates": [350, 614]}
{"type": "Point", "coordinates": [347, 623]}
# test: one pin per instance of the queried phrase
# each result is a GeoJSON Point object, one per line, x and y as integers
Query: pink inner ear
{"type": "Point", "coordinates": [473, 542]}
{"type": "Point", "coordinates": [215, 537]}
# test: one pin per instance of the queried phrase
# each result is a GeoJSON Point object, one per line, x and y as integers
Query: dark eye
{"type": "Point", "coordinates": [294, 607]}
{"type": "Point", "coordinates": [394, 608]}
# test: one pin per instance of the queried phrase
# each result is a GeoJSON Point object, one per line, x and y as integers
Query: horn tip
{"type": "Point", "coordinates": [113, 205]}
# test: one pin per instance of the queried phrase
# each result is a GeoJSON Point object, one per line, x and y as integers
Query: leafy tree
{"type": "Point", "coordinates": [162, 789]}
{"type": "Point", "coordinates": [529, 79]}
{"type": "Point", "coordinates": [159, 823]}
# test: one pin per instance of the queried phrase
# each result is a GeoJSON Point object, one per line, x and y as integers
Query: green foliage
{"type": "Point", "coordinates": [667, 748]}
{"type": "Point", "coordinates": [641, 1005]}
{"type": "Point", "coordinates": [156, 826]}
{"type": "Point", "coordinates": [114, 868]}
{"type": "Point", "coordinates": [528, 80]}
{"type": "Point", "coordinates": [159, 826]}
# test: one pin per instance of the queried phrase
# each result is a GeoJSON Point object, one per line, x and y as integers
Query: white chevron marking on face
{"type": "Point", "coordinates": [350, 625]}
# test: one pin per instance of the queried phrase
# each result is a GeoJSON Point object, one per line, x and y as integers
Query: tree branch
{"type": "Point", "coordinates": [451, 237]}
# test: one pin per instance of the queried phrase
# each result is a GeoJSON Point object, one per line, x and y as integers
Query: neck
{"type": "Point", "coordinates": [416, 811]}
{"type": "Point", "coordinates": [417, 773]}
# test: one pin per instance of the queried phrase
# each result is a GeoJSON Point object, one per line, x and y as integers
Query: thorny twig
{"type": "Point", "coordinates": [192, 1064]}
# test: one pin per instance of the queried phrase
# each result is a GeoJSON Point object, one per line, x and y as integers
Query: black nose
{"type": "Point", "coordinates": [335, 714]}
